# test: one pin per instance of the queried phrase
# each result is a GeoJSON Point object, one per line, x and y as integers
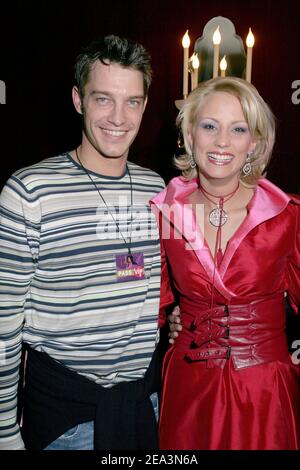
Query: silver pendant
{"type": "Point", "coordinates": [218, 217]}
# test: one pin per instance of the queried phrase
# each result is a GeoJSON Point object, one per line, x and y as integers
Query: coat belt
{"type": "Point", "coordinates": [249, 333]}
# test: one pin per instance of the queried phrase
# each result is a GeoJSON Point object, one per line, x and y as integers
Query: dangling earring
{"type": "Point", "coordinates": [247, 168]}
{"type": "Point", "coordinates": [192, 162]}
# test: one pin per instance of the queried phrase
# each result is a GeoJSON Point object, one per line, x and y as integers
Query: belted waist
{"type": "Point", "coordinates": [250, 333]}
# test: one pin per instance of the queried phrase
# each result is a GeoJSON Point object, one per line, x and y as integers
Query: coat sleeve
{"type": "Point", "coordinates": [293, 264]}
{"type": "Point", "coordinates": [19, 238]}
{"type": "Point", "coordinates": [166, 292]}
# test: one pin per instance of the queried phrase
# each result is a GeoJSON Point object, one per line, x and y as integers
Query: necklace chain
{"type": "Point", "coordinates": [218, 216]}
{"type": "Point", "coordinates": [127, 244]}
{"type": "Point", "coordinates": [225, 198]}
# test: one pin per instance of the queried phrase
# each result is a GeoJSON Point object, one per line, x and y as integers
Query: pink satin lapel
{"type": "Point", "coordinates": [173, 206]}
{"type": "Point", "coordinates": [267, 202]}
{"type": "Point", "coordinates": [261, 208]}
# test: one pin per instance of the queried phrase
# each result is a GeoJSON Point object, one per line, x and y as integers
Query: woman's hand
{"type": "Point", "coordinates": [175, 326]}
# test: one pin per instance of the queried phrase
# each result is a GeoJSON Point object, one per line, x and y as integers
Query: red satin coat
{"type": "Point", "coordinates": [229, 381]}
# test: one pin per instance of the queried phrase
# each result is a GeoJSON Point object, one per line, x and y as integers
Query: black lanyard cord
{"type": "Point", "coordinates": [128, 245]}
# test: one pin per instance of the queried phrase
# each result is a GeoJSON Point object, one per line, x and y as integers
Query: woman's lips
{"type": "Point", "coordinates": [220, 158]}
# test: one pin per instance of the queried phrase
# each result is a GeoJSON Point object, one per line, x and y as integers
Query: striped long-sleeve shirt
{"type": "Point", "coordinates": [59, 289]}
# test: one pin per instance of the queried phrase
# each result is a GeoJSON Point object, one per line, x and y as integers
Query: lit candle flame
{"type": "Point", "coordinates": [195, 61]}
{"type": "Point", "coordinates": [186, 44]}
{"type": "Point", "coordinates": [217, 36]}
{"type": "Point", "coordinates": [223, 63]}
{"type": "Point", "coordinates": [250, 39]}
{"type": "Point", "coordinates": [186, 40]}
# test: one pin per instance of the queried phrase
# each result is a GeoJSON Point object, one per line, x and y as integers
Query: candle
{"type": "Point", "coordinates": [195, 64]}
{"type": "Point", "coordinates": [250, 44]}
{"type": "Point", "coordinates": [216, 41]}
{"type": "Point", "coordinates": [185, 45]}
{"type": "Point", "coordinates": [223, 66]}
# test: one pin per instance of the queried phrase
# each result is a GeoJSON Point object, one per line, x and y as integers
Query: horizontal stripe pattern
{"type": "Point", "coordinates": [58, 287]}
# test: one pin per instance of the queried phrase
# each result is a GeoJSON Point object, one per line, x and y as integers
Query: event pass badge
{"type": "Point", "coordinates": [130, 267]}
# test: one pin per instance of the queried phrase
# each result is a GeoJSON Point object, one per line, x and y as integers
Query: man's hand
{"type": "Point", "coordinates": [174, 321]}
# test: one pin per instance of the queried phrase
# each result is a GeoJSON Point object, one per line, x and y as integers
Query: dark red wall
{"type": "Point", "coordinates": [39, 41]}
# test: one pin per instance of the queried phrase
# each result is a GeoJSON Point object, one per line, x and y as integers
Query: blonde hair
{"type": "Point", "coordinates": [258, 115]}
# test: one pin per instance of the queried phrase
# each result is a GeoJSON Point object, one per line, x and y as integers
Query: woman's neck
{"type": "Point", "coordinates": [219, 187]}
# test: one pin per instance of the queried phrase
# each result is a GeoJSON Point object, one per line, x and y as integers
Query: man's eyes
{"type": "Point", "coordinates": [102, 100]}
{"type": "Point", "coordinates": [134, 103]}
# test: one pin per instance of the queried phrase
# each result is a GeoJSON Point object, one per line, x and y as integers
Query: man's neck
{"type": "Point", "coordinates": [95, 162]}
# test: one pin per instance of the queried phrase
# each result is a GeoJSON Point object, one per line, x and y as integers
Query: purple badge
{"type": "Point", "coordinates": [130, 267]}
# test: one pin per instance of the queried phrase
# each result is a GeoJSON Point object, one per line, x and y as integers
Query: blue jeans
{"type": "Point", "coordinates": [81, 437]}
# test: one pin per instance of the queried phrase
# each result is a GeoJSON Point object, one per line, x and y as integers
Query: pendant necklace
{"type": "Point", "coordinates": [218, 216]}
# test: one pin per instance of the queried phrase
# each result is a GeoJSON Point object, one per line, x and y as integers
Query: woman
{"type": "Point", "coordinates": [229, 381]}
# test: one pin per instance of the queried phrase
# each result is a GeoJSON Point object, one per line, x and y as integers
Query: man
{"type": "Point", "coordinates": [89, 330]}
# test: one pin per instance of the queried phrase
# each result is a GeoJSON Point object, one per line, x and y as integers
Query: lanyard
{"type": "Point", "coordinates": [127, 244]}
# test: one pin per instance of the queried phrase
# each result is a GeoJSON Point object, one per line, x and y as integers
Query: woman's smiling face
{"type": "Point", "coordinates": [220, 137]}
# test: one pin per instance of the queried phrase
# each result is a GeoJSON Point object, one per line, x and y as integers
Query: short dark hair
{"type": "Point", "coordinates": [117, 50]}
